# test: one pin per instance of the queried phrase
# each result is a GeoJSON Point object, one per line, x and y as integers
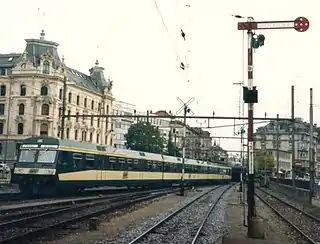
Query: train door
{"type": "Point", "coordinates": [99, 167]}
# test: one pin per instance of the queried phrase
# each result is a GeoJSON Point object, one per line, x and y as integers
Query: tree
{"type": "Point", "coordinates": [173, 150]}
{"type": "Point", "coordinates": [144, 137]}
{"type": "Point", "coordinates": [261, 159]}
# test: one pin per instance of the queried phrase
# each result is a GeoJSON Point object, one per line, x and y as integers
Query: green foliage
{"type": "Point", "coordinates": [144, 137]}
{"type": "Point", "coordinates": [261, 159]}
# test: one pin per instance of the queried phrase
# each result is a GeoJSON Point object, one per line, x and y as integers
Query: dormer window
{"type": "Point", "coordinates": [46, 67]}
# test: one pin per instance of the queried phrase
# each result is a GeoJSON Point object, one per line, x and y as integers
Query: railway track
{"type": "Point", "coordinates": [176, 226]}
{"type": "Point", "coordinates": [305, 224]}
{"type": "Point", "coordinates": [21, 227]}
{"type": "Point", "coordinates": [15, 198]}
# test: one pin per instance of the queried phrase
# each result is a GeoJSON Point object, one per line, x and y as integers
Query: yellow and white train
{"type": "Point", "coordinates": [47, 164]}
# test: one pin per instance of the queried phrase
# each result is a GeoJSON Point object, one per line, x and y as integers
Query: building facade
{"type": "Point", "coordinates": [198, 142]}
{"type": "Point", "coordinates": [31, 95]}
{"type": "Point", "coordinates": [122, 125]}
{"type": "Point", "coordinates": [266, 139]}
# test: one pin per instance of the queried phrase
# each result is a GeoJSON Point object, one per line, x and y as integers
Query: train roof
{"type": "Point", "coordinates": [117, 151]}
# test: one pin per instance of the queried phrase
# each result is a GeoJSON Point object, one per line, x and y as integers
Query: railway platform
{"type": "Point", "coordinates": [237, 232]}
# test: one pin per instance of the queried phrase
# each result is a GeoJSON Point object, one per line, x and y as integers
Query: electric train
{"type": "Point", "coordinates": [51, 165]}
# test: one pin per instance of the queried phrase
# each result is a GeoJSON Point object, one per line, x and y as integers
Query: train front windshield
{"type": "Point", "coordinates": [37, 156]}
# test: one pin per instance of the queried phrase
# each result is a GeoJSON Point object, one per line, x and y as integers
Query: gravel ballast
{"type": "Point", "coordinates": [181, 227]}
{"type": "Point", "coordinates": [309, 226]}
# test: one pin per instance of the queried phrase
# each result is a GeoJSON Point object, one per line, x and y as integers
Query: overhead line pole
{"type": "Point", "coordinates": [185, 110]}
{"type": "Point", "coordinates": [293, 139]}
{"type": "Point", "coordinates": [250, 95]}
{"type": "Point", "coordinates": [311, 149]}
{"type": "Point", "coordinates": [63, 112]}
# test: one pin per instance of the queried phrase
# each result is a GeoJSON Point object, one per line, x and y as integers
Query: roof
{"type": "Point", "coordinates": [35, 48]}
{"type": "Point", "coordinates": [82, 80]}
{"type": "Point", "coordinates": [8, 60]}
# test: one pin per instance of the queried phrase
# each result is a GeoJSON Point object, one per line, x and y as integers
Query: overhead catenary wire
{"type": "Point", "coordinates": [167, 30]}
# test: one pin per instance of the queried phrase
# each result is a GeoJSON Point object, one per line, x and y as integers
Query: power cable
{"type": "Point", "coordinates": [225, 126]}
{"type": "Point", "coordinates": [167, 30]}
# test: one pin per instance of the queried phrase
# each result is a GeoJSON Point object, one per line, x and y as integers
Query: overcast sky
{"type": "Point", "coordinates": [143, 58]}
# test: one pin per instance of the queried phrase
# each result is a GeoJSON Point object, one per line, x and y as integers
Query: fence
{"type": "Point", "coordinates": [299, 194]}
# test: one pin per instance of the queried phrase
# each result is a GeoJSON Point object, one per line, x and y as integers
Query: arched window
{"type": "Point", "coordinates": [107, 109]}
{"type": "Point", "coordinates": [21, 109]}
{"type": "Point", "coordinates": [85, 102]}
{"type": "Point", "coordinates": [69, 97]}
{"type": "Point", "coordinates": [58, 132]}
{"type": "Point", "coordinates": [44, 91]}
{"type": "Point", "coordinates": [67, 133]}
{"type": "Point", "coordinates": [46, 67]}
{"type": "Point", "coordinates": [92, 104]}
{"type": "Point", "coordinates": [60, 93]}
{"type": "Point", "coordinates": [78, 100]}
{"type": "Point", "coordinates": [20, 129]}
{"type": "Point", "coordinates": [45, 109]}
{"type": "Point", "coordinates": [23, 90]}
{"type": "Point", "coordinates": [44, 128]}
{"type": "Point", "coordinates": [76, 134]}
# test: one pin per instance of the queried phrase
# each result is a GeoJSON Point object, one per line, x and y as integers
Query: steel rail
{"type": "Point", "coordinates": [168, 217]}
{"type": "Point", "coordinates": [112, 204]}
{"type": "Point", "coordinates": [197, 235]}
{"type": "Point", "coordinates": [291, 206]}
{"type": "Point", "coordinates": [296, 228]}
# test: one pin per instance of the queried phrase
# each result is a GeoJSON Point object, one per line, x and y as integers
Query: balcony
{"type": "Point", "coordinates": [44, 118]}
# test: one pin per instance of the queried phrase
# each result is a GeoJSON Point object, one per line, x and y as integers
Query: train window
{"type": "Point", "coordinates": [159, 166]}
{"type": "Point", "coordinates": [89, 161]}
{"type": "Point", "coordinates": [47, 156]}
{"type": "Point", "coordinates": [122, 164]}
{"type": "Point", "coordinates": [77, 156]}
{"type": "Point", "coordinates": [166, 167]}
{"type": "Point", "coordinates": [175, 167]}
{"type": "Point", "coordinates": [27, 156]}
{"type": "Point", "coordinates": [154, 166]}
{"type": "Point", "coordinates": [136, 164]}
{"type": "Point", "coordinates": [129, 163]}
{"type": "Point", "coordinates": [113, 162]}
{"type": "Point", "coordinates": [149, 165]}
{"type": "Point", "coordinates": [179, 167]}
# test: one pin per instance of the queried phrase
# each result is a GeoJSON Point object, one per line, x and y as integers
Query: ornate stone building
{"type": "Point", "coordinates": [31, 94]}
